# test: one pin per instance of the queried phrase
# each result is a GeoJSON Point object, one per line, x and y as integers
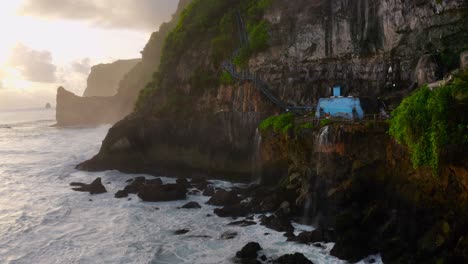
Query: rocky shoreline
{"type": "Point", "coordinates": [246, 206]}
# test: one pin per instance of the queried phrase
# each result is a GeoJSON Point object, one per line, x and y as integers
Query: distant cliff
{"type": "Point", "coordinates": [104, 79]}
{"type": "Point", "coordinates": [75, 110]}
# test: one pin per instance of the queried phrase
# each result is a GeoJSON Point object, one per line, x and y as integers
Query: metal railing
{"type": "Point", "coordinates": [246, 75]}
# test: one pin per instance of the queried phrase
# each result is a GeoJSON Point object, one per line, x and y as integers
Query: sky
{"type": "Point", "coordinates": [49, 43]}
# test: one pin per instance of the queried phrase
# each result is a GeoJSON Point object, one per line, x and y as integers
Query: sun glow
{"type": "Point", "coordinates": [61, 43]}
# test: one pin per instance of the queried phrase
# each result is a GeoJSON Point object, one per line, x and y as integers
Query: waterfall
{"type": "Point", "coordinates": [256, 159]}
{"type": "Point", "coordinates": [307, 206]}
{"type": "Point", "coordinates": [322, 140]}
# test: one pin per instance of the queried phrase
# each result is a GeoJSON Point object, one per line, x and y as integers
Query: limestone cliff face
{"type": "Point", "coordinates": [371, 48]}
{"type": "Point", "coordinates": [104, 79]}
{"type": "Point", "coordinates": [110, 109]}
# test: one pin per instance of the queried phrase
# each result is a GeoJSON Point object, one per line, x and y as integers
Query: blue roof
{"type": "Point", "coordinates": [340, 107]}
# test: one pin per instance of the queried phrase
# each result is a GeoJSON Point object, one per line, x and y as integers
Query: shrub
{"type": "Point", "coordinates": [280, 123]}
{"type": "Point", "coordinates": [226, 78]}
{"type": "Point", "coordinates": [258, 36]}
{"type": "Point", "coordinates": [304, 126]}
{"type": "Point", "coordinates": [428, 122]}
{"type": "Point", "coordinates": [325, 122]}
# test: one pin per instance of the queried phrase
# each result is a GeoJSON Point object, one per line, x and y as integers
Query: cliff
{"type": "Point", "coordinates": [75, 110]}
{"type": "Point", "coordinates": [205, 121]}
{"type": "Point", "coordinates": [356, 180]}
{"type": "Point", "coordinates": [195, 117]}
{"type": "Point", "coordinates": [104, 79]}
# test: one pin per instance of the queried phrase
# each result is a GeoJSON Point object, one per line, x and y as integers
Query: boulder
{"type": "Point", "coordinates": [95, 187]}
{"type": "Point", "coordinates": [184, 182]}
{"type": "Point", "coordinates": [181, 231]}
{"type": "Point", "coordinates": [318, 235]}
{"type": "Point", "coordinates": [224, 198]}
{"type": "Point", "coordinates": [121, 194]}
{"type": "Point", "coordinates": [249, 251]}
{"type": "Point", "coordinates": [200, 183]}
{"type": "Point", "coordinates": [209, 191]}
{"type": "Point", "coordinates": [278, 222]}
{"type": "Point", "coordinates": [135, 185]}
{"type": "Point", "coordinates": [236, 210]}
{"type": "Point", "coordinates": [228, 235]}
{"type": "Point", "coordinates": [242, 223]}
{"type": "Point", "coordinates": [158, 192]}
{"type": "Point", "coordinates": [191, 205]}
{"type": "Point", "coordinates": [296, 258]}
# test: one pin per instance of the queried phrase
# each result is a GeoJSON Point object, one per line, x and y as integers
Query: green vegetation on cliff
{"type": "Point", "coordinates": [278, 123]}
{"type": "Point", "coordinates": [211, 24]}
{"type": "Point", "coordinates": [431, 123]}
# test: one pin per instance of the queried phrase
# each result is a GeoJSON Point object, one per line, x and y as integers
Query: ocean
{"type": "Point", "coordinates": [43, 221]}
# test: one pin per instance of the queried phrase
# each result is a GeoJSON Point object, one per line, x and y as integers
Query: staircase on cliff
{"type": "Point", "coordinates": [246, 75]}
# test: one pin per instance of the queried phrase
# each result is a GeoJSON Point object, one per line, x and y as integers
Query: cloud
{"type": "Point", "coordinates": [82, 66]}
{"type": "Point", "coordinates": [132, 14]}
{"type": "Point", "coordinates": [34, 65]}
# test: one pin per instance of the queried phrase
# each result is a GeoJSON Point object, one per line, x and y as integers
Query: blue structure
{"type": "Point", "coordinates": [345, 107]}
{"type": "Point", "coordinates": [337, 91]}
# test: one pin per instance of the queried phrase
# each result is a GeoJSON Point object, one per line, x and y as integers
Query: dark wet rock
{"type": "Point", "coordinates": [224, 198]}
{"type": "Point", "coordinates": [129, 180]}
{"type": "Point", "coordinates": [135, 185]}
{"type": "Point", "coordinates": [249, 251]}
{"type": "Point", "coordinates": [129, 199]}
{"type": "Point", "coordinates": [156, 208]}
{"type": "Point", "coordinates": [228, 235]}
{"type": "Point", "coordinates": [266, 234]}
{"type": "Point", "coordinates": [184, 182]}
{"type": "Point", "coordinates": [90, 200]}
{"type": "Point", "coordinates": [191, 205]}
{"type": "Point", "coordinates": [109, 182]}
{"type": "Point", "coordinates": [351, 252]}
{"type": "Point", "coordinates": [278, 222]}
{"type": "Point", "coordinates": [121, 194]}
{"type": "Point", "coordinates": [209, 191]}
{"type": "Point", "coordinates": [263, 258]}
{"type": "Point", "coordinates": [194, 192]}
{"type": "Point", "coordinates": [208, 215]}
{"type": "Point", "coordinates": [296, 258]}
{"type": "Point", "coordinates": [95, 187]}
{"type": "Point", "coordinates": [199, 236]}
{"type": "Point", "coordinates": [200, 183]}
{"type": "Point", "coordinates": [181, 231]}
{"type": "Point", "coordinates": [232, 211]}
{"type": "Point", "coordinates": [290, 235]}
{"type": "Point", "coordinates": [158, 192]}
{"type": "Point", "coordinates": [154, 181]}
{"type": "Point", "coordinates": [320, 245]}
{"type": "Point", "coordinates": [318, 235]}
{"type": "Point", "coordinates": [242, 223]}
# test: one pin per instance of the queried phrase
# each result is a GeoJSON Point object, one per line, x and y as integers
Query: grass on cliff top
{"type": "Point", "coordinates": [432, 123]}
